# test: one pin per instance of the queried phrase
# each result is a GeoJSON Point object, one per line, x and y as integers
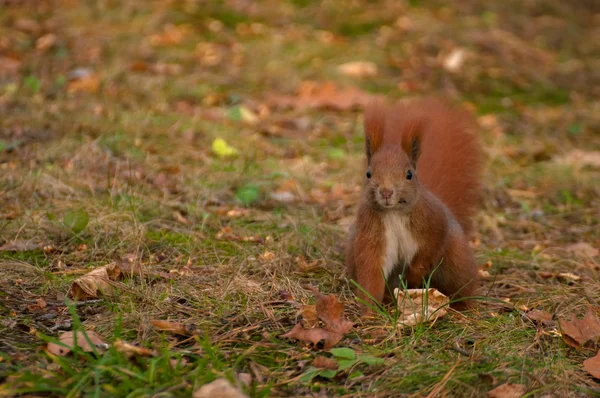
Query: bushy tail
{"type": "Point", "coordinates": [451, 159]}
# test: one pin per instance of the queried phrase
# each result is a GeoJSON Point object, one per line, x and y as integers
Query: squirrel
{"type": "Point", "coordinates": [421, 189]}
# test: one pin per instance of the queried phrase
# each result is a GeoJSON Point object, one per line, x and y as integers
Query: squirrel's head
{"type": "Point", "coordinates": [392, 181]}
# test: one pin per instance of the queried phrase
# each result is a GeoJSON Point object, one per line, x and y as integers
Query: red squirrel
{"type": "Point", "coordinates": [421, 189]}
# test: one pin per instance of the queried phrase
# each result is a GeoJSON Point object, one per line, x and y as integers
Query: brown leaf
{"type": "Point", "coordinates": [358, 69]}
{"type": "Point", "coordinates": [592, 366]}
{"type": "Point", "coordinates": [331, 312]}
{"type": "Point", "coordinates": [312, 335]}
{"type": "Point", "coordinates": [68, 338]}
{"type": "Point", "coordinates": [325, 96]}
{"type": "Point", "coordinates": [583, 250]}
{"type": "Point", "coordinates": [219, 388]}
{"type": "Point", "coordinates": [540, 316]}
{"type": "Point", "coordinates": [309, 316]}
{"type": "Point", "coordinates": [87, 84]}
{"type": "Point", "coordinates": [325, 363]}
{"type": "Point", "coordinates": [420, 305]}
{"type": "Point", "coordinates": [45, 42]}
{"type": "Point", "coordinates": [171, 35]}
{"type": "Point", "coordinates": [130, 350]}
{"type": "Point", "coordinates": [95, 283]}
{"type": "Point", "coordinates": [508, 390]}
{"type": "Point", "coordinates": [579, 331]}
{"type": "Point", "coordinates": [175, 328]}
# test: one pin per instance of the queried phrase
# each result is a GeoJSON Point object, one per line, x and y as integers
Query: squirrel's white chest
{"type": "Point", "coordinates": [400, 245]}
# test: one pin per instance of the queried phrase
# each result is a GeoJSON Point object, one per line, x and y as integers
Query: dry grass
{"type": "Point", "coordinates": [135, 154]}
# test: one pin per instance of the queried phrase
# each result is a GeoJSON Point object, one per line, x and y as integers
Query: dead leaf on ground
{"type": "Point", "coordinates": [508, 390]}
{"type": "Point", "coordinates": [83, 80]}
{"type": "Point", "coordinates": [540, 316]}
{"type": "Point", "coordinates": [175, 328]}
{"type": "Point", "coordinates": [592, 366]}
{"type": "Point", "coordinates": [455, 60]}
{"type": "Point", "coordinates": [313, 336]}
{"type": "Point", "coordinates": [324, 96]}
{"type": "Point", "coordinates": [130, 350]}
{"type": "Point", "coordinates": [95, 283]}
{"type": "Point", "coordinates": [45, 42]}
{"type": "Point", "coordinates": [325, 363]}
{"type": "Point", "coordinates": [583, 250]}
{"type": "Point", "coordinates": [577, 332]}
{"type": "Point", "coordinates": [9, 66]}
{"type": "Point", "coordinates": [358, 69]}
{"type": "Point", "coordinates": [420, 305]}
{"type": "Point", "coordinates": [68, 338]}
{"type": "Point", "coordinates": [219, 388]}
{"type": "Point", "coordinates": [331, 312]}
{"type": "Point", "coordinates": [309, 316]}
{"type": "Point", "coordinates": [171, 35]}
{"type": "Point", "coordinates": [305, 266]}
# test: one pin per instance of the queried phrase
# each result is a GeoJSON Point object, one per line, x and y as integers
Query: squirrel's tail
{"type": "Point", "coordinates": [451, 154]}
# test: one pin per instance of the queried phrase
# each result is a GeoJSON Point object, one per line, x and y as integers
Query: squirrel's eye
{"type": "Point", "coordinates": [368, 173]}
{"type": "Point", "coordinates": [409, 175]}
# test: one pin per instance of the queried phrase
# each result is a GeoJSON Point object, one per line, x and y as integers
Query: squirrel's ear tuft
{"type": "Point", "coordinates": [374, 124]}
{"type": "Point", "coordinates": [411, 141]}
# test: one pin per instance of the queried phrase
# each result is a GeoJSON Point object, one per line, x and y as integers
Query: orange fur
{"type": "Point", "coordinates": [433, 209]}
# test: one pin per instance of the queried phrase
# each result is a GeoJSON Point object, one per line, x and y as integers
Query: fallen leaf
{"type": "Point", "coordinates": [569, 276]}
{"type": "Point", "coordinates": [87, 84]}
{"type": "Point", "coordinates": [331, 312]}
{"type": "Point", "coordinates": [540, 316]}
{"type": "Point", "coordinates": [220, 388]}
{"type": "Point", "coordinates": [130, 350]}
{"type": "Point", "coordinates": [45, 42]}
{"type": "Point", "coordinates": [244, 378]}
{"type": "Point", "coordinates": [325, 96]}
{"type": "Point", "coordinates": [309, 316]}
{"type": "Point", "coordinates": [417, 306]}
{"type": "Point", "coordinates": [577, 332]}
{"type": "Point", "coordinates": [268, 256]}
{"type": "Point", "coordinates": [583, 249]}
{"type": "Point", "coordinates": [325, 363]}
{"type": "Point", "coordinates": [9, 66]}
{"type": "Point", "coordinates": [175, 328]}
{"type": "Point", "coordinates": [455, 60]}
{"type": "Point", "coordinates": [221, 148]}
{"type": "Point", "coordinates": [171, 35]}
{"type": "Point", "coordinates": [68, 338]}
{"type": "Point", "coordinates": [358, 69]}
{"type": "Point", "coordinates": [508, 390]}
{"type": "Point", "coordinates": [305, 266]}
{"type": "Point", "coordinates": [95, 283]}
{"type": "Point", "coordinates": [592, 366]}
{"type": "Point", "coordinates": [313, 336]}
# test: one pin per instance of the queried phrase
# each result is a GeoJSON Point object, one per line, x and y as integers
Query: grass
{"type": "Point", "coordinates": [120, 169]}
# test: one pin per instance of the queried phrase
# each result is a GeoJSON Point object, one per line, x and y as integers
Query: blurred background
{"type": "Point", "coordinates": [221, 142]}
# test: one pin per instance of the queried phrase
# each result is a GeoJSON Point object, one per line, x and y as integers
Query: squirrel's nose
{"type": "Point", "coordinates": [386, 193]}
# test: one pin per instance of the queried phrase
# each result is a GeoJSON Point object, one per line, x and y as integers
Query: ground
{"type": "Point", "coordinates": [108, 115]}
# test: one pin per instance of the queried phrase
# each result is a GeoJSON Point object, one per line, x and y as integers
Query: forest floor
{"type": "Point", "coordinates": [109, 112]}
